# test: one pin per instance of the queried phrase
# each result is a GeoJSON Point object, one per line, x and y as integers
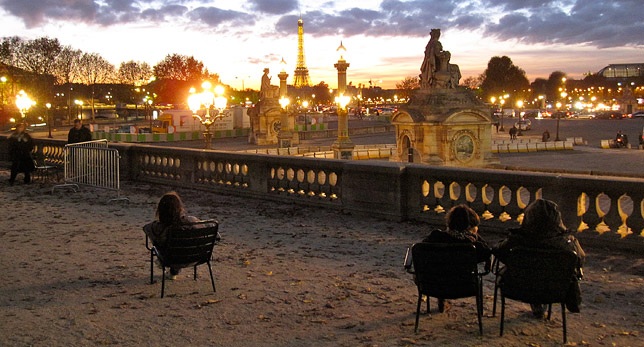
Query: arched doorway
{"type": "Point", "coordinates": [407, 150]}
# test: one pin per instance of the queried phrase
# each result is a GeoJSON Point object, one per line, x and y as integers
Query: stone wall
{"type": "Point", "coordinates": [606, 210]}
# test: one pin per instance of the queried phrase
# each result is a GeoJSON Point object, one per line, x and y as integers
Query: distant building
{"type": "Point", "coordinates": [622, 71]}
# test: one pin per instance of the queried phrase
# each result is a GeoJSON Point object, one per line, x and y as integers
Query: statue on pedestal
{"type": "Point", "coordinates": [436, 71]}
{"type": "Point", "coordinates": [268, 91]}
{"type": "Point", "coordinates": [265, 117]}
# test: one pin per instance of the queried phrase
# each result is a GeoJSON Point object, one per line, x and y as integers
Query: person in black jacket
{"type": "Point", "coordinates": [79, 133]}
{"type": "Point", "coordinates": [462, 227]}
{"type": "Point", "coordinates": [20, 146]}
{"type": "Point", "coordinates": [542, 228]}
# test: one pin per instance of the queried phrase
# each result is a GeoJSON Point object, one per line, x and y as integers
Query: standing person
{"type": "Point", "coordinates": [169, 212]}
{"type": "Point", "coordinates": [546, 136]}
{"type": "Point", "coordinates": [20, 146]}
{"type": "Point", "coordinates": [513, 132]}
{"type": "Point", "coordinates": [79, 133]}
{"type": "Point", "coordinates": [462, 227]}
{"type": "Point", "coordinates": [542, 228]}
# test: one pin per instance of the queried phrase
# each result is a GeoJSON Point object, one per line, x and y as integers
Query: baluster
{"type": "Point", "coordinates": [636, 220]}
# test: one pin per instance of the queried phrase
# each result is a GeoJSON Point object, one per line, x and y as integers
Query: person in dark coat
{"type": "Point", "coordinates": [79, 133]}
{"type": "Point", "coordinates": [462, 227]}
{"type": "Point", "coordinates": [542, 228]}
{"type": "Point", "coordinates": [20, 146]}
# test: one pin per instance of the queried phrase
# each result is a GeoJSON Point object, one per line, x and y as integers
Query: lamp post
{"type": "Point", "coordinates": [558, 104]}
{"type": "Point", "coordinates": [24, 103]}
{"type": "Point", "coordinates": [305, 106]}
{"type": "Point", "coordinates": [212, 105]}
{"type": "Point", "coordinates": [502, 102]}
{"type": "Point", "coordinates": [285, 136]}
{"type": "Point", "coordinates": [342, 147]}
{"type": "Point", "coordinates": [49, 119]}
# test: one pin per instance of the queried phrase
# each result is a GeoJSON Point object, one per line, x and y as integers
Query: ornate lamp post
{"type": "Point", "coordinates": [285, 136]}
{"type": "Point", "coordinates": [502, 102]}
{"type": "Point", "coordinates": [24, 103]}
{"type": "Point", "coordinates": [342, 147]}
{"type": "Point", "coordinates": [48, 105]}
{"type": "Point", "coordinates": [212, 105]}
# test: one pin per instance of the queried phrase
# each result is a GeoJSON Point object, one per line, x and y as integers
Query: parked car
{"type": "Point", "coordinates": [610, 115]}
{"type": "Point", "coordinates": [584, 115]}
{"type": "Point", "coordinates": [638, 114]}
{"type": "Point", "coordinates": [524, 124]}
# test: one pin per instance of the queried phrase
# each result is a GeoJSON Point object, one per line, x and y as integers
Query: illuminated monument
{"type": "Point", "coordinates": [301, 76]}
{"type": "Point", "coordinates": [443, 124]}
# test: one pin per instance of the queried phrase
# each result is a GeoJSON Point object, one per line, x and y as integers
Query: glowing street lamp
{"type": "Point", "coordinates": [24, 102]}
{"type": "Point", "coordinates": [502, 102]}
{"type": "Point", "coordinates": [48, 105]}
{"type": "Point", "coordinates": [211, 105]}
{"type": "Point", "coordinates": [342, 147]}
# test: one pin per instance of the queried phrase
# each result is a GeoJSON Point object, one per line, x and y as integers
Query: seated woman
{"type": "Point", "coordinates": [542, 228]}
{"type": "Point", "coordinates": [462, 226]}
{"type": "Point", "coordinates": [169, 212]}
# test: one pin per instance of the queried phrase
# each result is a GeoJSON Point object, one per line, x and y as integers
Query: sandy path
{"type": "Point", "coordinates": [76, 272]}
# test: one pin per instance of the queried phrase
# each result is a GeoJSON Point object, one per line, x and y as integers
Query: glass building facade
{"type": "Point", "coordinates": [622, 71]}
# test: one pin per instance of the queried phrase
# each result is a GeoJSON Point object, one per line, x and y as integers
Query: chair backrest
{"type": "Point", "coordinates": [447, 271]}
{"type": "Point", "coordinates": [189, 243]}
{"type": "Point", "coordinates": [538, 276]}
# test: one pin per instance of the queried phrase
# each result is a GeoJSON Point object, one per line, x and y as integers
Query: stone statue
{"type": "Point", "coordinates": [268, 91]}
{"type": "Point", "coordinates": [436, 71]}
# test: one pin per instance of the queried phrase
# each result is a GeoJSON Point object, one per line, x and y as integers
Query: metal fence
{"type": "Point", "coordinates": [92, 164]}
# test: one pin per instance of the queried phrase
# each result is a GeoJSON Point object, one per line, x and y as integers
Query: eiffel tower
{"type": "Point", "coordinates": [301, 76]}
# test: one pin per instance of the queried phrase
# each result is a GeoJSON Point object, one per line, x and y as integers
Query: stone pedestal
{"type": "Point", "coordinates": [265, 119]}
{"type": "Point", "coordinates": [442, 126]}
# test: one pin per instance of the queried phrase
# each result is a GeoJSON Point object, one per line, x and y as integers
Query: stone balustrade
{"type": "Point", "coordinates": [609, 210]}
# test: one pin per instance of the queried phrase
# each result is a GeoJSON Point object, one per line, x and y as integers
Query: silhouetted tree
{"type": "Point", "coordinates": [407, 85]}
{"type": "Point", "coordinates": [95, 69]}
{"type": "Point", "coordinates": [37, 55]}
{"type": "Point", "coordinates": [555, 81]}
{"type": "Point", "coordinates": [66, 67]}
{"type": "Point", "coordinates": [501, 77]}
{"type": "Point", "coordinates": [321, 91]}
{"type": "Point", "coordinates": [134, 72]}
{"type": "Point", "coordinates": [183, 68]}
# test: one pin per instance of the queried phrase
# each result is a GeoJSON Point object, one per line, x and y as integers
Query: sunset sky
{"type": "Point", "coordinates": [385, 39]}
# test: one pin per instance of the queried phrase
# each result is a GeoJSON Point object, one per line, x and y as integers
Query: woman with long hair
{"type": "Point", "coordinates": [543, 228]}
{"type": "Point", "coordinates": [170, 212]}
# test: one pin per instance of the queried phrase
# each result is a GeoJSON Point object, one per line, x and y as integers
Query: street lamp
{"type": "Point", "coordinates": [284, 137]}
{"type": "Point", "coordinates": [24, 103]}
{"type": "Point", "coordinates": [342, 147]}
{"type": "Point", "coordinates": [502, 102]}
{"type": "Point", "coordinates": [212, 105]}
{"type": "Point", "coordinates": [48, 105]}
{"type": "Point", "coordinates": [79, 103]}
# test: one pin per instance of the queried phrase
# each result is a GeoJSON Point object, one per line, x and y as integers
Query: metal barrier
{"type": "Point", "coordinates": [92, 164]}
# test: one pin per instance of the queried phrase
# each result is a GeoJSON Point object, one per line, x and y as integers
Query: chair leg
{"type": "Point", "coordinates": [479, 311]}
{"type": "Point", "coordinates": [162, 281]}
{"type": "Point", "coordinates": [151, 267]}
{"type": "Point", "coordinates": [496, 290]}
{"type": "Point", "coordinates": [428, 304]}
{"type": "Point", "coordinates": [212, 280]}
{"type": "Point", "coordinates": [563, 321]}
{"type": "Point", "coordinates": [549, 311]}
{"type": "Point", "coordinates": [420, 299]}
{"type": "Point", "coordinates": [502, 313]}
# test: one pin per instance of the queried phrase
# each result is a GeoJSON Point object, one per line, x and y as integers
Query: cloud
{"type": "Point", "coordinates": [600, 24]}
{"type": "Point", "coordinates": [596, 23]}
{"type": "Point", "coordinates": [274, 6]}
{"type": "Point", "coordinates": [213, 16]}
{"type": "Point", "coordinates": [35, 12]}
{"type": "Point", "coordinates": [266, 59]}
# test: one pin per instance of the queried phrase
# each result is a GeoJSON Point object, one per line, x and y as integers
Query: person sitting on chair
{"type": "Point", "coordinates": [169, 212]}
{"type": "Point", "coordinates": [462, 226]}
{"type": "Point", "coordinates": [542, 228]}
